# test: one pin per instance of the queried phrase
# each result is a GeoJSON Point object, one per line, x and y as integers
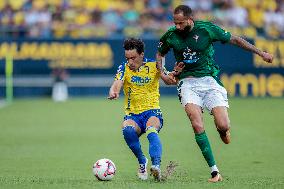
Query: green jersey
{"type": "Point", "coordinates": [194, 48]}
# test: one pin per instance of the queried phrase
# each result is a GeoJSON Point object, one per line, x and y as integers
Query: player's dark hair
{"type": "Point", "coordinates": [184, 9]}
{"type": "Point", "coordinates": [132, 43]}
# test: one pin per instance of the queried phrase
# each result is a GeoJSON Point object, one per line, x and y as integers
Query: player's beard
{"type": "Point", "coordinates": [185, 31]}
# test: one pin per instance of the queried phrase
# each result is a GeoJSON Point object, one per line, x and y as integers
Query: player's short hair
{"type": "Point", "coordinates": [132, 43]}
{"type": "Point", "coordinates": [184, 9]}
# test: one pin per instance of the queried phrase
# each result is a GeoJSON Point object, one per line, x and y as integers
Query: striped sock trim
{"type": "Point", "coordinates": [151, 129]}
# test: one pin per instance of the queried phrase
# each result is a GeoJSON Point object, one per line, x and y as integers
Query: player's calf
{"type": "Point", "coordinates": [155, 150]}
{"type": "Point", "coordinates": [132, 140]}
{"type": "Point", "coordinates": [225, 136]}
{"type": "Point", "coordinates": [155, 145]}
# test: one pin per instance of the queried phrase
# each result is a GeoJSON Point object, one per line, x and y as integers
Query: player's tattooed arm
{"type": "Point", "coordinates": [160, 59]}
{"type": "Point", "coordinates": [166, 76]}
{"type": "Point", "coordinates": [238, 41]}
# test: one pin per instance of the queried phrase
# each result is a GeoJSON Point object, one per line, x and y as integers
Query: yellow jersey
{"type": "Point", "coordinates": [141, 87]}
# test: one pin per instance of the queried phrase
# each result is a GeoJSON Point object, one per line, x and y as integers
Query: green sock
{"type": "Point", "coordinates": [205, 148]}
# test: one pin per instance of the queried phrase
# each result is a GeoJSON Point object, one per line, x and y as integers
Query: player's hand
{"type": "Point", "coordinates": [113, 95]}
{"type": "Point", "coordinates": [178, 68]}
{"type": "Point", "coordinates": [173, 78]}
{"type": "Point", "coordinates": [266, 57]}
{"type": "Point", "coordinates": [169, 79]}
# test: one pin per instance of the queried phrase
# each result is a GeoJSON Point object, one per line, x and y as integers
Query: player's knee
{"type": "Point", "coordinates": [128, 131]}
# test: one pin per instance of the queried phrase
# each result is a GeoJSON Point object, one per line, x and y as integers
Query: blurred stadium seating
{"type": "Point", "coordinates": [96, 18]}
{"type": "Point", "coordinates": [85, 37]}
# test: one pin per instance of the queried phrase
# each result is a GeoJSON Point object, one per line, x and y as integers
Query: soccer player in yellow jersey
{"type": "Point", "coordinates": [139, 78]}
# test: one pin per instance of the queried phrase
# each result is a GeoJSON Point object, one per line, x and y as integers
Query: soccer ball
{"type": "Point", "coordinates": [104, 169]}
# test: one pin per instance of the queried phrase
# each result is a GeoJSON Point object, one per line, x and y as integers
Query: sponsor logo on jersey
{"type": "Point", "coordinates": [189, 56]}
{"type": "Point", "coordinates": [140, 80]}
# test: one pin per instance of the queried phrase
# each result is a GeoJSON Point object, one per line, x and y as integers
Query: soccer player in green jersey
{"type": "Point", "coordinates": [196, 73]}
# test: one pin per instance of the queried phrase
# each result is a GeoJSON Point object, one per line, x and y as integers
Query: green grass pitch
{"type": "Point", "coordinates": [53, 145]}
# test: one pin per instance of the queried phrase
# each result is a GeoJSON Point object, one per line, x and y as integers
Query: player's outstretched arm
{"type": "Point", "coordinates": [238, 41]}
{"type": "Point", "coordinates": [166, 76]}
{"type": "Point", "coordinates": [169, 79]}
{"type": "Point", "coordinates": [115, 90]}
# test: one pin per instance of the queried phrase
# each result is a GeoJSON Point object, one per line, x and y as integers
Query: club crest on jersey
{"type": "Point", "coordinates": [140, 80]}
{"type": "Point", "coordinates": [195, 37]}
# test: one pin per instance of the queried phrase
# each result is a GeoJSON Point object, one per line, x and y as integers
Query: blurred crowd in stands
{"type": "Point", "coordinates": [143, 18]}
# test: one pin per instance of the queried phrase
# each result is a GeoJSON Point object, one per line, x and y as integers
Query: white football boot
{"type": "Point", "coordinates": [142, 171]}
{"type": "Point", "coordinates": [156, 172]}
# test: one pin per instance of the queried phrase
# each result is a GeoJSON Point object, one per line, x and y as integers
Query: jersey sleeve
{"type": "Point", "coordinates": [164, 45]}
{"type": "Point", "coordinates": [218, 34]}
{"type": "Point", "coordinates": [120, 73]}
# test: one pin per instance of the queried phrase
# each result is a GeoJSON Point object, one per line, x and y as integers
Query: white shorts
{"type": "Point", "coordinates": [203, 91]}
